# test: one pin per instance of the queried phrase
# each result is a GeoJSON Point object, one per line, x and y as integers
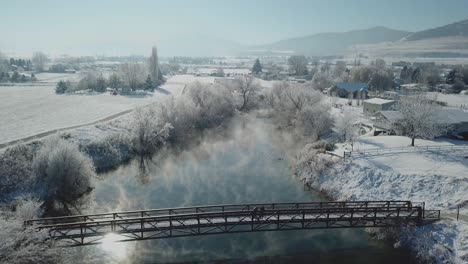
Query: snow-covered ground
{"type": "Point", "coordinates": [452, 100]}
{"type": "Point", "coordinates": [30, 110]}
{"type": "Point", "coordinates": [438, 178]}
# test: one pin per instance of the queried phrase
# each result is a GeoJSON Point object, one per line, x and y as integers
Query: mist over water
{"type": "Point", "coordinates": [244, 166]}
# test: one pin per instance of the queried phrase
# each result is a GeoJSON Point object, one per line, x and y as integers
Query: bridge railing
{"type": "Point", "coordinates": [328, 214]}
{"type": "Point", "coordinates": [218, 208]}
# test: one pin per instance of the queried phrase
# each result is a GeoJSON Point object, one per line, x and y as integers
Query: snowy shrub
{"type": "Point", "coordinates": [15, 169]}
{"type": "Point", "coordinates": [22, 244]}
{"type": "Point", "coordinates": [149, 132]}
{"type": "Point", "coordinates": [312, 161]}
{"type": "Point", "coordinates": [63, 176]}
{"type": "Point", "coordinates": [109, 152]}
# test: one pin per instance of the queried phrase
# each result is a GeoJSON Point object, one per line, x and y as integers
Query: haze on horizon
{"type": "Point", "coordinates": [131, 27]}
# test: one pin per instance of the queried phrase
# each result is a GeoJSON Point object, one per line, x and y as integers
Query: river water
{"type": "Point", "coordinates": [247, 166]}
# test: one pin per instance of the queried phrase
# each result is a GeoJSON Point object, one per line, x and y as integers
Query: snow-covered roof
{"type": "Point", "coordinates": [453, 116]}
{"type": "Point", "coordinates": [352, 87]}
{"type": "Point", "coordinates": [378, 101]}
{"type": "Point", "coordinates": [391, 115]}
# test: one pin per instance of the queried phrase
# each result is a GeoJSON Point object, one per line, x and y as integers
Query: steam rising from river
{"type": "Point", "coordinates": [240, 164]}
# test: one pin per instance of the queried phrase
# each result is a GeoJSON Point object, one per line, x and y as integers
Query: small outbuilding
{"type": "Point", "coordinates": [374, 105]}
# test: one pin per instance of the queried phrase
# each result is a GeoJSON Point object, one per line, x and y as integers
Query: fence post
{"type": "Point", "coordinates": [458, 211]}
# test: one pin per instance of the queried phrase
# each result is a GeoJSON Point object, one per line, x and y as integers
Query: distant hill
{"type": "Point", "coordinates": [333, 43]}
{"type": "Point", "coordinates": [449, 41]}
{"type": "Point", "coordinates": [456, 29]}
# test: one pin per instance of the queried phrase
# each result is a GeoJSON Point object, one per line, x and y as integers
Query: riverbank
{"type": "Point", "coordinates": [439, 179]}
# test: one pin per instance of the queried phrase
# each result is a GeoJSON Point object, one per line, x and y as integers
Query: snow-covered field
{"type": "Point", "coordinates": [29, 110]}
{"type": "Point", "coordinates": [438, 178]}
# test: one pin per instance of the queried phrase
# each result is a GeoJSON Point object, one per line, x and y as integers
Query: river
{"type": "Point", "coordinates": [247, 166]}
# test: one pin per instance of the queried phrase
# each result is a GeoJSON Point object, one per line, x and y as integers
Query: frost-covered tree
{"type": "Point", "coordinates": [298, 64]}
{"type": "Point", "coordinates": [39, 60]}
{"type": "Point", "coordinates": [63, 176]}
{"type": "Point", "coordinates": [23, 244]}
{"type": "Point", "coordinates": [340, 68]}
{"type": "Point", "coordinates": [419, 118]}
{"type": "Point", "coordinates": [257, 67]}
{"type": "Point", "coordinates": [149, 132]}
{"type": "Point", "coordinates": [300, 107]}
{"type": "Point", "coordinates": [132, 74]}
{"type": "Point", "coordinates": [247, 89]}
{"type": "Point", "coordinates": [346, 126]}
{"type": "Point", "coordinates": [215, 104]}
{"type": "Point", "coordinates": [321, 81]}
{"type": "Point", "coordinates": [15, 170]}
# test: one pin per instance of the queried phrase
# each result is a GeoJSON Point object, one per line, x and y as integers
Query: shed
{"type": "Point", "coordinates": [374, 105]}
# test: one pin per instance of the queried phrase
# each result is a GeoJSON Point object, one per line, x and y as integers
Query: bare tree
{"type": "Point", "coordinates": [148, 131]}
{"type": "Point", "coordinates": [340, 68]}
{"type": "Point", "coordinates": [346, 126]}
{"type": "Point", "coordinates": [132, 74]}
{"type": "Point", "coordinates": [419, 118]}
{"type": "Point", "coordinates": [321, 81]}
{"type": "Point", "coordinates": [298, 64]}
{"type": "Point", "coordinates": [247, 88]}
{"type": "Point", "coordinates": [39, 60]}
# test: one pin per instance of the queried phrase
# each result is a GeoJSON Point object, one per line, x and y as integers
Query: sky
{"type": "Point", "coordinates": [92, 26]}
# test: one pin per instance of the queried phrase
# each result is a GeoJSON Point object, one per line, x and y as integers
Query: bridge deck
{"type": "Point", "coordinates": [218, 219]}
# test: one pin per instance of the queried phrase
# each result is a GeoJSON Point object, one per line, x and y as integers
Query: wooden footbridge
{"type": "Point", "coordinates": [91, 229]}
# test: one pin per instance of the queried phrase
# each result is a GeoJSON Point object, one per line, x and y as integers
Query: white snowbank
{"type": "Point", "coordinates": [438, 178]}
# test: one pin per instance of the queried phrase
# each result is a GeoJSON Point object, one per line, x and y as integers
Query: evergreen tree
{"type": "Point", "coordinates": [148, 86]}
{"type": "Point", "coordinates": [257, 67]}
{"type": "Point", "coordinates": [61, 87]}
{"type": "Point", "coordinates": [154, 70]}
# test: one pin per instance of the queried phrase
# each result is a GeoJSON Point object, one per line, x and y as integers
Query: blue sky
{"type": "Point", "coordinates": [50, 25]}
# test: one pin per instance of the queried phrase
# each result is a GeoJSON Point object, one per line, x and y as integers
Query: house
{"type": "Point", "coordinates": [374, 105]}
{"type": "Point", "coordinates": [345, 89]}
{"type": "Point", "coordinates": [455, 119]}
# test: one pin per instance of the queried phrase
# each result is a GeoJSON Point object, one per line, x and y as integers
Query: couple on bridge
{"type": "Point", "coordinates": [258, 213]}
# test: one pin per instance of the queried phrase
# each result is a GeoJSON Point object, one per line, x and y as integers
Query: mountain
{"type": "Point", "coordinates": [457, 29]}
{"type": "Point", "coordinates": [445, 42]}
{"type": "Point", "coordinates": [332, 43]}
